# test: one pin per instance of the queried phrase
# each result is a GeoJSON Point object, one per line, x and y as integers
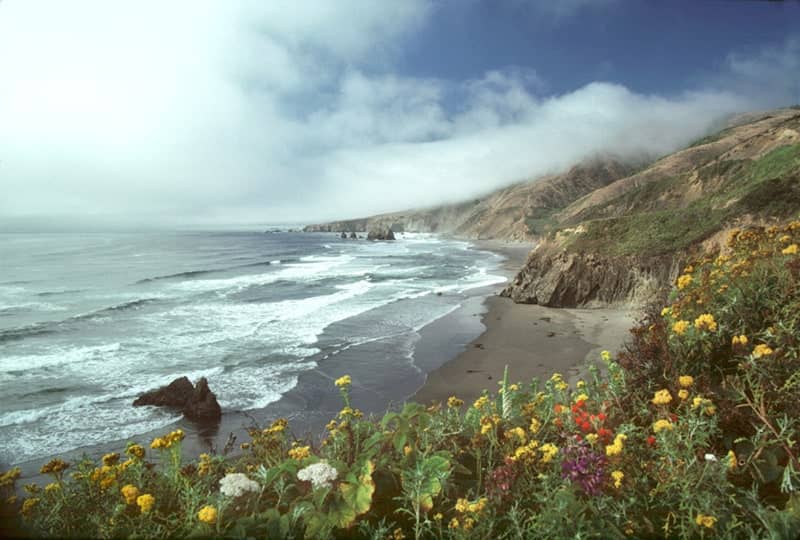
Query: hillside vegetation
{"type": "Point", "coordinates": [693, 431]}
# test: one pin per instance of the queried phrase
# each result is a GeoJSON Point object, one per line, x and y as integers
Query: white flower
{"type": "Point", "coordinates": [711, 457]}
{"type": "Point", "coordinates": [319, 474]}
{"type": "Point", "coordinates": [236, 484]}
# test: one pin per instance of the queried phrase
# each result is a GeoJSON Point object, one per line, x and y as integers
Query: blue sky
{"type": "Point", "coordinates": [204, 113]}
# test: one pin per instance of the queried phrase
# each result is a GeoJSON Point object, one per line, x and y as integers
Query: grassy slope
{"type": "Point", "coordinates": [657, 220]}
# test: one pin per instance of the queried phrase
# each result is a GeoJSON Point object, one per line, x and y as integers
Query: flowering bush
{"type": "Point", "coordinates": [692, 433]}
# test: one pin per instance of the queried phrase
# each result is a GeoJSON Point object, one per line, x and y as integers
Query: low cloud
{"type": "Point", "coordinates": [190, 113]}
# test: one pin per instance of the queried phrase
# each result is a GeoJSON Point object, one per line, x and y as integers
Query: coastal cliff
{"type": "Point", "coordinates": [613, 232]}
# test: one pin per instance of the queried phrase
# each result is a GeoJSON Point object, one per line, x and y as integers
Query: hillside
{"type": "Point", "coordinates": [520, 212]}
{"type": "Point", "coordinates": [629, 238]}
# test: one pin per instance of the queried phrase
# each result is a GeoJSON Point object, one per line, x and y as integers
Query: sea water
{"type": "Point", "coordinates": [90, 321]}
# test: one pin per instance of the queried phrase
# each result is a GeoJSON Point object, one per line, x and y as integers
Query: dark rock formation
{"type": "Point", "coordinates": [343, 236]}
{"type": "Point", "coordinates": [197, 402]}
{"type": "Point", "coordinates": [202, 406]}
{"type": "Point", "coordinates": [353, 235]}
{"type": "Point", "coordinates": [558, 278]}
{"type": "Point", "coordinates": [381, 234]}
{"type": "Point", "coordinates": [175, 394]}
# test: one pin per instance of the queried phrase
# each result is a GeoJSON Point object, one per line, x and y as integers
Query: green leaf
{"type": "Point", "coordinates": [359, 496]}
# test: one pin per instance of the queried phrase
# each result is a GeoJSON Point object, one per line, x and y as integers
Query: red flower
{"type": "Point", "coordinates": [605, 435]}
{"type": "Point", "coordinates": [602, 417]}
{"type": "Point", "coordinates": [557, 408]}
{"type": "Point", "coordinates": [651, 440]}
{"type": "Point", "coordinates": [586, 427]}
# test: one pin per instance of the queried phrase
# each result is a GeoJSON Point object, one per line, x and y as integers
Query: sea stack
{"type": "Point", "coordinates": [196, 402]}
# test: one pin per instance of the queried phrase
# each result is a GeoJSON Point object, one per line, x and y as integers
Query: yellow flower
{"type": "Point", "coordinates": [145, 502]}
{"type": "Point", "coordinates": [561, 385]}
{"type": "Point", "coordinates": [684, 281]}
{"type": "Point", "coordinates": [461, 506]}
{"type": "Point", "coordinates": [549, 451]}
{"type": "Point", "coordinates": [136, 451]}
{"type": "Point", "coordinates": [158, 443]}
{"type": "Point", "coordinates": [605, 356]}
{"type": "Point", "coordinates": [517, 433]}
{"type": "Point", "coordinates": [592, 438]}
{"type": "Point", "coordinates": [397, 534]}
{"type": "Point", "coordinates": [453, 524]}
{"type": "Point", "coordinates": [705, 521]}
{"type": "Point", "coordinates": [680, 327]}
{"type": "Point", "coordinates": [686, 381]}
{"type": "Point", "coordinates": [407, 450]}
{"type": "Point", "coordinates": [581, 385]}
{"type": "Point", "coordinates": [343, 381]}
{"type": "Point", "coordinates": [481, 402]}
{"type": "Point", "coordinates": [54, 466]}
{"type": "Point", "coordinates": [299, 452]}
{"type": "Point", "coordinates": [111, 459]}
{"type": "Point", "coordinates": [130, 492]}
{"type": "Point", "coordinates": [28, 506]}
{"type": "Point", "coordinates": [615, 448]}
{"type": "Point", "coordinates": [662, 397]}
{"type": "Point", "coordinates": [666, 311]}
{"type": "Point", "coordinates": [706, 322]}
{"type": "Point", "coordinates": [661, 425]}
{"type": "Point", "coordinates": [535, 425]}
{"type": "Point", "coordinates": [683, 393]}
{"type": "Point", "coordinates": [785, 238]}
{"type": "Point", "coordinates": [617, 476]}
{"type": "Point", "coordinates": [555, 377]}
{"type": "Point", "coordinates": [207, 514]}
{"type": "Point", "coordinates": [52, 487]}
{"type": "Point", "coordinates": [739, 340]}
{"type": "Point", "coordinates": [790, 250]}
{"type": "Point", "coordinates": [581, 397]}
{"type": "Point", "coordinates": [732, 461]}
{"type": "Point", "coordinates": [438, 516]}
{"type": "Point", "coordinates": [761, 350]}
{"type": "Point", "coordinates": [454, 402]}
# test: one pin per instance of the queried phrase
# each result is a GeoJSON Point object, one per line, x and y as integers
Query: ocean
{"type": "Point", "coordinates": [90, 321]}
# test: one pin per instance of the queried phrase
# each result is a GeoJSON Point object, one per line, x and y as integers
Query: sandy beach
{"type": "Point", "coordinates": [532, 340]}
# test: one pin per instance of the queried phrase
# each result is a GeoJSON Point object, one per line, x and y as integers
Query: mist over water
{"type": "Point", "coordinates": [89, 321]}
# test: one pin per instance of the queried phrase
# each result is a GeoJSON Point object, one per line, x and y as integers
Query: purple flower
{"type": "Point", "coordinates": [584, 467]}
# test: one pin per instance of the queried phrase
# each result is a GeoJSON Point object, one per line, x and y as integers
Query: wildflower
{"type": "Point", "coordinates": [278, 426]}
{"type": "Point", "coordinates": [739, 340]}
{"type": "Point", "coordinates": [785, 238]}
{"type": "Point", "coordinates": [135, 450]}
{"type": "Point", "coordinates": [592, 438]}
{"type": "Point", "coordinates": [584, 467]}
{"type": "Point", "coordinates": [461, 506]}
{"type": "Point", "coordinates": [130, 493]}
{"type": "Point", "coordinates": [111, 459]}
{"type": "Point", "coordinates": [581, 397]}
{"type": "Point", "coordinates": [651, 441]}
{"type": "Point", "coordinates": [236, 484]}
{"type": "Point", "coordinates": [686, 381]}
{"type": "Point", "coordinates": [343, 382]}
{"type": "Point", "coordinates": [683, 393]}
{"type": "Point", "coordinates": [145, 502]}
{"type": "Point", "coordinates": [732, 462]}
{"type": "Point", "coordinates": [684, 281]}
{"type": "Point", "coordinates": [703, 520]}
{"type": "Point", "coordinates": [535, 426]}
{"type": "Point", "coordinates": [761, 350]}
{"type": "Point", "coordinates": [605, 356]}
{"type": "Point", "coordinates": [666, 311]}
{"type": "Point", "coordinates": [706, 322]}
{"type": "Point", "coordinates": [662, 397]}
{"type": "Point", "coordinates": [398, 534]}
{"type": "Point", "coordinates": [207, 514]}
{"type": "Point", "coordinates": [525, 453]}
{"type": "Point", "coordinates": [407, 450]}
{"type": "Point", "coordinates": [481, 402]}
{"type": "Point", "coordinates": [453, 402]}
{"type": "Point", "coordinates": [617, 476]}
{"type": "Point", "coordinates": [549, 451]}
{"type": "Point", "coordinates": [52, 487]}
{"type": "Point", "coordinates": [438, 516]}
{"type": "Point", "coordinates": [661, 425]}
{"type": "Point", "coordinates": [680, 327]}
{"type": "Point", "coordinates": [580, 385]}
{"type": "Point", "coordinates": [517, 433]}
{"type": "Point", "coordinates": [54, 466]}
{"type": "Point", "coordinates": [300, 452]}
{"type": "Point", "coordinates": [28, 506]}
{"type": "Point", "coordinates": [615, 448]}
{"type": "Point", "coordinates": [790, 250]}
{"type": "Point", "coordinates": [454, 524]}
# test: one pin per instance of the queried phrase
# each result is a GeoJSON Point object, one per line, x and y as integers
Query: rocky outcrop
{"type": "Point", "coordinates": [353, 235]}
{"type": "Point", "coordinates": [555, 277]}
{"type": "Point", "coordinates": [378, 234]}
{"type": "Point", "coordinates": [343, 236]}
{"type": "Point", "coordinates": [196, 402]}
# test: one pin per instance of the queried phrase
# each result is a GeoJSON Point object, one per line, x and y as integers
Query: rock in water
{"type": "Point", "coordinates": [202, 406]}
{"type": "Point", "coordinates": [353, 235]}
{"type": "Point", "coordinates": [175, 394]}
{"type": "Point", "coordinates": [380, 234]}
{"type": "Point", "coordinates": [343, 236]}
{"type": "Point", "coordinates": [197, 402]}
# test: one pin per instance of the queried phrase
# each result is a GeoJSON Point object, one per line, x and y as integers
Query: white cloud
{"type": "Point", "coordinates": [203, 111]}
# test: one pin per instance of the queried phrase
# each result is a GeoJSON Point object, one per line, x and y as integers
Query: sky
{"type": "Point", "coordinates": [202, 113]}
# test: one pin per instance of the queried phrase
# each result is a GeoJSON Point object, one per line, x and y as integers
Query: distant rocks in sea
{"type": "Point", "coordinates": [196, 402]}
{"type": "Point", "coordinates": [380, 234]}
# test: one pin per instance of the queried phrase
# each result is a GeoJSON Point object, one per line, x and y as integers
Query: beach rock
{"type": "Point", "coordinates": [175, 394]}
{"type": "Point", "coordinates": [343, 236]}
{"type": "Point", "coordinates": [202, 406]}
{"type": "Point", "coordinates": [555, 277]}
{"type": "Point", "coordinates": [353, 235]}
{"type": "Point", "coordinates": [380, 234]}
{"type": "Point", "coordinates": [196, 402]}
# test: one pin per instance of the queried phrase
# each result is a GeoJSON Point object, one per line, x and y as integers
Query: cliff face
{"type": "Point", "coordinates": [625, 240]}
{"type": "Point", "coordinates": [555, 277]}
